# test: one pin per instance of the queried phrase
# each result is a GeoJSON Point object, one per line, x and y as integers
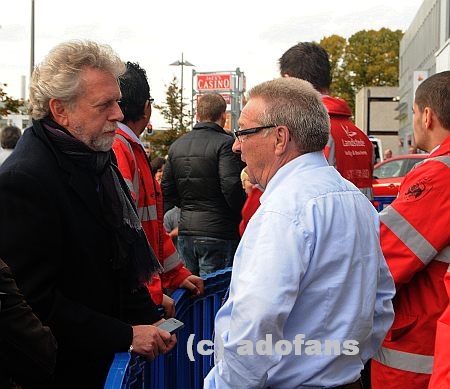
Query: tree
{"type": "Point", "coordinates": [8, 104]}
{"type": "Point", "coordinates": [171, 112]}
{"type": "Point", "coordinates": [368, 58]}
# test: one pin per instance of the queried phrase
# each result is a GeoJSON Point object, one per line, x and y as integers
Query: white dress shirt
{"type": "Point", "coordinates": [309, 263]}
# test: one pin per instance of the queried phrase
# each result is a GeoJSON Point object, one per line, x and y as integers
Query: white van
{"type": "Point", "coordinates": [378, 155]}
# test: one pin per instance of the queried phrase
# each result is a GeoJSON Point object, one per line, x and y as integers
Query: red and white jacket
{"type": "Point", "coordinates": [415, 238]}
{"type": "Point", "coordinates": [135, 168]}
{"type": "Point", "coordinates": [440, 378]}
{"type": "Point", "coordinates": [348, 149]}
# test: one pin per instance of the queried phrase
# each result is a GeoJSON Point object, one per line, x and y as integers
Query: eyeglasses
{"type": "Point", "coordinates": [151, 99]}
{"type": "Point", "coordinates": [238, 133]}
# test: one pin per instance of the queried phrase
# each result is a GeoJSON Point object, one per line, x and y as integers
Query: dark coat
{"type": "Point", "coordinates": [60, 249]}
{"type": "Point", "coordinates": [27, 348]}
{"type": "Point", "coordinates": [202, 177]}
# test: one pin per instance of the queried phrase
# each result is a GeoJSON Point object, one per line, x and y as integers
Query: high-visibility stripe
{"type": "Point", "coordinates": [444, 255]}
{"type": "Point", "coordinates": [415, 363]}
{"type": "Point", "coordinates": [147, 213]}
{"type": "Point", "coordinates": [445, 160]}
{"type": "Point", "coordinates": [135, 183]}
{"type": "Point", "coordinates": [332, 152]}
{"type": "Point", "coordinates": [171, 261]}
{"type": "Point", "coordinates": [408, 235]}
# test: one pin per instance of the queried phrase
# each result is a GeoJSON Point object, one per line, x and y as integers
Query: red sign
{"type": "Point", "coordinates": [213, 82]}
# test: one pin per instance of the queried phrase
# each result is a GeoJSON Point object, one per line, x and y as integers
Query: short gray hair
{"type": "Point", "coordinates": [58, 76]}
{"type": "Point", "coordinates": [295, 103]}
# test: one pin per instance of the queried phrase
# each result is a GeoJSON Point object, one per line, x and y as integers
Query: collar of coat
{"type": "Point", "coordinates": [209, 126]}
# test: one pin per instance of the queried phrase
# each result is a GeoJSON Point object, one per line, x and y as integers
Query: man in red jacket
{"type": "Point", "coordinates": [135, 168]}
{"type": "Point", "coordinates": [415, 239]}
{"type": "Point", "coordinates": [349, 150]}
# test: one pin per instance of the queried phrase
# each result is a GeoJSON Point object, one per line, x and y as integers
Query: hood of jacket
{"type": "Point", "coordinates": [336, 106]}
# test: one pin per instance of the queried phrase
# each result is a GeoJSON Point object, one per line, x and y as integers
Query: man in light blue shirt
{"type": "Point", "coordinates": [310, 294]}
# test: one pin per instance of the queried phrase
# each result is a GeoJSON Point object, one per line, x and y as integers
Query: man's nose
{"type": "Point", "coordinates": [116, 114]}
{"type": "Point", "coordinates": [236, 147]}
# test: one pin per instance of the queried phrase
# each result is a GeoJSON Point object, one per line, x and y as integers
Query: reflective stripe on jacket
{"type": "Point", "coordinates": [135, 168]}
{"type": "Point", "coordinates": [415, 239]}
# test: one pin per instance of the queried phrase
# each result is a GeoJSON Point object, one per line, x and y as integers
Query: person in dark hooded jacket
{"type": "Point", "coordinates": [202, 177]}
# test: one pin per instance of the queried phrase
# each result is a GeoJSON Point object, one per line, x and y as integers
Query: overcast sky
{"type": "Point", "coordinates": [213, 35]}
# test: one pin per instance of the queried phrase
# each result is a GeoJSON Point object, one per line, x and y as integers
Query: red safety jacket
{"type": "Point", "coordinates": [415, 239]}
{"type": "Point", "coordinates": [440, 378]}
{"type": "Point", "coordinates": [134, 166]}
{"type": "Point", "coordinates": [348, 149]}
{"type": "Point", "coordinates": [250, 206]}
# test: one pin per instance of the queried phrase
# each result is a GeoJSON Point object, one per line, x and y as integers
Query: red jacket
{"type": "Point", "coordinates": [415, 237]}
{"type": "Point", "coordinates": [441, 368]}
{"type": "Point", "coordinates": [250, 206]}
{"type": "Point", "coordinates": [134, 166]}
{"type": "Point", "coordinates": [349, 150]}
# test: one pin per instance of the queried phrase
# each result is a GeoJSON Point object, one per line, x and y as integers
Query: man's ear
{"type": "Point", "coordinates": [223, 118]}
{"type": "Point", "coordinates": [282, 138]}
{"type": "Point", "coordinates": [59, 112]}
{"type": "Point", "coordinates": [428, 117]}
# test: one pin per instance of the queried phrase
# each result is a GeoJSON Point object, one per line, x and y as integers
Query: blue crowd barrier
{"type": "Point", "coordinates": [383, 201]}
{"type": "Point", "coordinates": [176, 370]}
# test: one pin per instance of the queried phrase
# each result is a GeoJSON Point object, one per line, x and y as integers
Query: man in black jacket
{"type": "Point", "coordinates": [68, 228]}
{"type": "Point", "coordinates": [27, 348]}
{"type": "Point", "coordinates": [202, 177]}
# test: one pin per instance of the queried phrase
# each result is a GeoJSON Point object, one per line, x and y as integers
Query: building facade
{"type": "Point", "coordinates": [424, 50]}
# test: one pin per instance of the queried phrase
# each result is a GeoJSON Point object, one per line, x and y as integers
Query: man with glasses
{"type": "Point", "coordinates": [136, 105]}
{"type": "Point", "coordinates": [309, 268]}
{"type": "Point", "coordinates": [202, 177]}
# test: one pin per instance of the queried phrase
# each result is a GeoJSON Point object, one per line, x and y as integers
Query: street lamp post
{"type": "Point", "coordinates": [32, 39]}
{"type": "Point", "coordinates": [181, 63]}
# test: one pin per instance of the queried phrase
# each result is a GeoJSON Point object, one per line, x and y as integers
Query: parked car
{"type": "Point", "coordinates": [389, 174]}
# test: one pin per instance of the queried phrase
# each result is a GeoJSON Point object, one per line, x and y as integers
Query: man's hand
{"type": "Point", "coordinates": [194, 284]}
{"type": "Point", "coordinates": [150, 341]}
{"type": "Point", "coordinates": [174, 233]}
{"type": "Point", "coordinates": [169, 306]}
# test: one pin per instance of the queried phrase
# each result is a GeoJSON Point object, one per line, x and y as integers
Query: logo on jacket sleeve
{"type": "Point", "coordinates": [419, 189]}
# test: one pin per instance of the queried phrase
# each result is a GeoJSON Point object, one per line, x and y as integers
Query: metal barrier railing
{"type": "Point", "coordinates": [175, 370]}
{"type": "Point", "coordinates": [383, 201]}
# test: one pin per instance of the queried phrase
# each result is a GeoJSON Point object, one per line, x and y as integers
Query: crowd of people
{"type": "Point", "coordinates": [95, 234]}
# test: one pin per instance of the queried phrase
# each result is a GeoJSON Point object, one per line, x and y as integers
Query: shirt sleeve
{"type": "Point", "coordinates": [383, 311]}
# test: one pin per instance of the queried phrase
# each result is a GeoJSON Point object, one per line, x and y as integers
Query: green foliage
{"type": "Point", "coordinates": [172, 112]}
{"type": "Point", "coordinates": [368, 58]}
{"type": "Point", "coordinates": [8, 104]}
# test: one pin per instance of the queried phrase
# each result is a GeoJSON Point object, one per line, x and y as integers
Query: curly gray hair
{"type": "Point", "coordinates": [59, 75]}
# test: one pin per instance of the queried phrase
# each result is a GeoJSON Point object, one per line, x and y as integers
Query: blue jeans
{"type": "Point", "coordinates": [204, 255]}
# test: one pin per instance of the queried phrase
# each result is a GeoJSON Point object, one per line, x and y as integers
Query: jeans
{"type": "Point", "coordinates": [204, 255]}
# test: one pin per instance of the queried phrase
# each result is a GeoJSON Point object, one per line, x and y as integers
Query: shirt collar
{"type": "Point", "coordinates": [127, 130]}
